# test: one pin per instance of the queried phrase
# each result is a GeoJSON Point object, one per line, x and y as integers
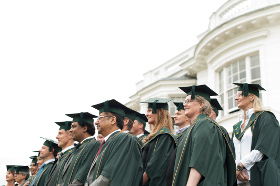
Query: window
{"type": "Point", "coordinates": [244, 70]}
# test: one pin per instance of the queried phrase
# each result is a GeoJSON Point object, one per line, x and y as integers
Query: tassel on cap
{"type": "Point", "coordinates": [81, 118]}
{"type": "Point", "coordinates": [245, 89]}
{"type": "Point", "coordinates": [155, 106]}
{"type": "Point", "coordinates": [106, 106]}
{"type": "Point", "coordinates": [193, 92]}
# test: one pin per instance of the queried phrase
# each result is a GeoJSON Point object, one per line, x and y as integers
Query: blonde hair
{"type": "Point", "coordinates": [162, 119]}
{"type": "Point", "coordinates": [257, 104]}
{"type": "Point", "coordinates": [206, 109]}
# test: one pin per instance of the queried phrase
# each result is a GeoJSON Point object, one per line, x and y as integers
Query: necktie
{"type": "Point", "coordinates": [99, 149]}
{"type": "Point", "coordinates": [37, 175]}
{"type": "Point", "coordinates": [59, 157]}
{"type": "Point", "coordinates": [76, 147]}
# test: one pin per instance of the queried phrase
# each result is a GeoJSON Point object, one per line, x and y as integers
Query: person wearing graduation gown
{"type": "Point", "coordinates": [48, 153]}
{"type": "Point", "coordinates": [10, 179]}
{"type": "Point", "coordinates": [203, 157]}
{"type": "Point", "coordinates": [21, 174]}
{"type": "Point", "coordinates": [33, 169]}
{"type": "Point", "coordinates": [139, 124]}
{"type": "Point", "coordinates": [183, 122]}
{"type": "Point", "coordinates": [66, 143]}
{"type": "Point", "coordinates": [257, 136]}
{"type": "Point", "coordinates": [77, 166]}
{"type": "Point", "coordinates": [160, 144]}
{"type": "Point", "coordinates": [128, 120]}
{"type": "Point", "coordinates": [118, 162]}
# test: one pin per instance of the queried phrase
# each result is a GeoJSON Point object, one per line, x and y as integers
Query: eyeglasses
{"type": "Point", "coordinates": [187, 101]}
{"type": "Point", "coordinates": [100, 117]}
{"type": "Point", "coordinates": [239, 95]}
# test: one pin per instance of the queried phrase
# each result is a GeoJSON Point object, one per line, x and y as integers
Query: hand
{"type": "Point", "coordinates": [241, 176]}
{"type": "Point", "coordinates": [26, 184]}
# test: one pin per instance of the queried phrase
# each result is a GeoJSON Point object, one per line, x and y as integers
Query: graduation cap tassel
{"type": "Point", "coordinates": [106, 106]}
{"type": "Point", "coordinates": [81, 118]}
{"type": "Point", "coordinates": [155, 106]}
{"type": "Point", "coordinates": [245, 89]}
{"type": "Point", "coordinates": [193, 92]}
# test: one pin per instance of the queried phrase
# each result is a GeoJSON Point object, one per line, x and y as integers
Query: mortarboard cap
{"type": "Point", "coordinates": [141, 118]}
{"type": "Point", "coordinates": [111, 106]}
{"type": "Point", "coordinates": [215, 106]}
{"type": "Point", "coordinates": [33, 159]}
{"type": "Point", "coordinates": [82, 117]}
{"type": "Point", "coordinates": [130, 113]}
{"type": "Point", "coordinates": [37, 152]}
{"type": "Point", "coordinates": [11, 168]}
{"type": "Point", "coordinates": [157, 103]}
{"type": "Point", "coordinates": [179, 105]}
{"type": "Point", "coordinates": [21, 168]}
{"type": "Point", "coordinates": [249, 88]}
{"type": "Point", "coordinates": [200, 90]}
{"type": "Point", "coordinates": [51, 144]}
{"type": "Point", "coordinates": [66, 125]}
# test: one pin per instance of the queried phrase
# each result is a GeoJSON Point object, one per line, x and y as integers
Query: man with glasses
{"type": "Point", "coordinates": [119, 160]}
{"type": "Point", "coordinates": [21, 175]}
{"type": "Point", "coordinates": [75, 171]}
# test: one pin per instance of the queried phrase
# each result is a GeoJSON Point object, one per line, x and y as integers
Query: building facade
{"type": "Point", "coordinates": [242, 44]}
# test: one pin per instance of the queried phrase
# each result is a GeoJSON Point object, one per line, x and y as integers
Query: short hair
{"type": "Point", "coordinates": [90, 128]}
{"type": "Point", "coordinates": [25, 173]}
{"type": "Point", "coordinates": [119, 119]}
{"type": "Point", "coordinates": [130, 123]}
{"type": "Point", "coordinates": [206, 109]}
{"type": "Point", "coordinates": [138, 122]}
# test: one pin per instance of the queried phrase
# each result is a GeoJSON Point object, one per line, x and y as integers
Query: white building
{"type": "Point", "coordinates": [242, 44]}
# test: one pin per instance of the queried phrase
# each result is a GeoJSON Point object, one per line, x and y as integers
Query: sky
{"type": "Point", "coordinates": [60, 57]}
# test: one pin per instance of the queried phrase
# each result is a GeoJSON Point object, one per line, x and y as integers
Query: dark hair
{"type": "Point", "coordinates": [90, 129]}
{"type": "Point", "coordinates": [119, 120]}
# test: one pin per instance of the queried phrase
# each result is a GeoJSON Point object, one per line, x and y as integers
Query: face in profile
{"type": "Point", "coordinates": [40, 161]}
{"type": "Point", "coordinates": [9, 176]}
{"type": "Point", "coordinates": [150, 116]}
{"type": "Point", "coordinates": [33, 168]}
{"type": "Point", "coordinates": [192, 107]}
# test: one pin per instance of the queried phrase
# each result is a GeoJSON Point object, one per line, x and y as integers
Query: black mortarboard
{"type": "Point", "coordinates": [51, 144]}
{"type": "Point", "coordinates": [37, 152]}
{"type": "Point", "coordinates": [179, 105]}
{"type": "Point", "coordinates": [215, 106]}
{"type": "Point", "coordinates": [141, 118]}
{"type": "Point", "coordinates": [111, 106]}
{"type": "Point", "coordinates": [249, 88]}
{"type": "Point", "coordinates": [21, 168]}
{"type": "Point", "coordinates": [11, 168]}
{"type": "Point", "coordinates": [130, 113]}
{"type": "Point", "coordinates": [200, 90]}
{"type": "Point", "coordinates": [66, 125]}
{"type": "Point", "coordinates": [82, 117]}
{"type": "Point", "coordinates": [33, 159]}
{"type": "Point", "coordinates": [157, 103]}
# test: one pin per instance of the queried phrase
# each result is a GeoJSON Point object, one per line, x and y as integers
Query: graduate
{"type": "Point", "coordinates": [202, 156]}
{"type": "Point", "coordinates": [181, 120]}
{"type": "Point", "coordinates": [77, 166]}
{"type": "Point", "coordinates": [33, 168]}
{"type": "Point", "coordinates": [66, 143]}
{"type": "Point", "coordinates": [160, 144]}
{"type": "Point", "coordinates": [128, 120]}
{"type": "Point", "coordinates": [257, 136]}
{"type": "Point", "coordinates": [21, 174]}
{"type": "Point", "coordinates": [10, 179]}
{"type": "Point", "coordinates": [139, 124]}
{"type": "Point", "coordinates": [48, 153]}
{"type": "Point", "coordinates": [119, 161]}
{"type": "Point", "coordinates": [215, 105]}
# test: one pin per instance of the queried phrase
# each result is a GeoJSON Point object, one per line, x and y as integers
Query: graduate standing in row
{"type": "Point", "coordinates": [10, 179]}
{"type": "Point", "coordinates": [110, 167]}
{"type": "Point", "coordinates": [66, 143]}
{"type": "Point", "coordinates": [139, 124]}
{"type": "Point", "coordinates": [33, 168]}
{"type": "Point", "coordinates": [48, 153]}
{"type": "Point", "coordinates": [160, 144]}
{"type": "Point", "coordinates": [202, 156]}
{"type": "Point", "coordinates": [256, 140]}
{"type": "Point", "coordinates": [77, 166]}
{"type": "Point", "coordinates": [21, 175]}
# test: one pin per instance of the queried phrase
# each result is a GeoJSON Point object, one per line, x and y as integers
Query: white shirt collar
{"type": "Point", "coordinates": [107, 137]}
{"type": "Point", "coordinates": [249, 113]}
{"type": "Point", "coordinates": [126, 131]}
{"type": "Point", "coordinates": [139, 135]}
{"type": "Point", "coordinates": [67, 148]}
{"type": "Point", "coordinates": [51, 160]}
{"type": "Point", "coordinates": [87, 138]}
{"type": "Point", "coordinates": [181, 130]}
